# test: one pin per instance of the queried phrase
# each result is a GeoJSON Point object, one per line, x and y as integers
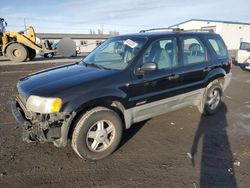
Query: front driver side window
{"type": "Point", "coordinates": [163, 53]}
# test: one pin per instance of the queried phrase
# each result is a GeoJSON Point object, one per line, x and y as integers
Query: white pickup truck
{"type": "Point", "coordinates": [243, 54]}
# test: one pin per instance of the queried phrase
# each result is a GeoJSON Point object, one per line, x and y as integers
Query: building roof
{"type": "Point", "coordinates": [219, 21]}
{"type": "Point", "coordinates": [72, 36]}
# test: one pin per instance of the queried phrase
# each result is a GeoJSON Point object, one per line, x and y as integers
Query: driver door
{"type": "Point", "coordinates": [156, 87]}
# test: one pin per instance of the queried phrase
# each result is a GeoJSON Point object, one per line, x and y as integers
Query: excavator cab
{"type": "Point", "coordinates": [2, 30]}
{"type": "Point", "coordinates": [3, 24]}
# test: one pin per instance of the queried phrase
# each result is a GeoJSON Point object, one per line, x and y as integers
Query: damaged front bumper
{"type": "Point", "coordinates": [42, 127]}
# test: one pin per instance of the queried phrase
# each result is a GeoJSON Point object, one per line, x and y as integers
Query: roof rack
{"type": "Point", "coordinates": [177, 30]}
{"type": "Point", "coordinates": [161, 28]}
{"type": "Point", "coordinates": [200, 30]}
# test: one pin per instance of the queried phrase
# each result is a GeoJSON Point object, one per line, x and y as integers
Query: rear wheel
{"type": "Point", "coordinates": [48, 55]}
{"type": "Point", "coordinates": [97, 133]}
{"type": "Point", "coordinates": [32, 54]}
{"type": "Point", "coordinates": [17, 52]}
{"type": "Point", "coordinates": [213, 99]}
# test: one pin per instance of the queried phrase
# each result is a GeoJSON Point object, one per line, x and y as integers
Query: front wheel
{"type": "Point", "coordinates": [213, 99]}
{"type": "Point", "coordinates": [97, 133]}
{"type": "Point", "coordinates": [17, 52]}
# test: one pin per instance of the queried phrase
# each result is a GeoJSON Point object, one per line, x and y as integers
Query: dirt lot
{"type": "Point", "coordinates": [152, 153]}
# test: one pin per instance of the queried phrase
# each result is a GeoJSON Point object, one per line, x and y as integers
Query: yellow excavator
{"type": "Point", "coordinates": [18, 46]}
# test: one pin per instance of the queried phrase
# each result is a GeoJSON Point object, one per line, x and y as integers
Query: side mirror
{"type": "Point", "coordinates": [146, 67]}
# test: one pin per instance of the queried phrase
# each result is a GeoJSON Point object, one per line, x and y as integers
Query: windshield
{"type": "Point", "coordinates": [115, 53]}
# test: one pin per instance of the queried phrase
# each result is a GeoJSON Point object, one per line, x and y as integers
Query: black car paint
{"type": "Point", "coordinates": [80, 86]}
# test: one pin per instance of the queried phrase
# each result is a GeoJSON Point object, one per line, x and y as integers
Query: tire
{"type": "Point", "coordinates": [49, 55]}
{"type": "Point", "coordinates": [32, 54]}
{"type": "Point", "coordinates": [212, 99]}
{"type": "Point", "coordinates": [97, 134]}
{"type": "Point", "coordinates": [17, 52]}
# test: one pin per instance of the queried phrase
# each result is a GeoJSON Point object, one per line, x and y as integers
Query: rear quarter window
{"type": "Point", "coordinates": [218, 46]}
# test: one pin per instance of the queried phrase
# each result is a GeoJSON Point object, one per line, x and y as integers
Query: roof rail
{"type": "Point", "coordinates": [177, 30]}
{"type": "Point", "coordinates": [161, 28]}
{"type": "Point", "coordinates": [200, 30]}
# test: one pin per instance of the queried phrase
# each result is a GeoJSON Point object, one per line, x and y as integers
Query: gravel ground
{"type": "Point", "coordinates": [154, 153]}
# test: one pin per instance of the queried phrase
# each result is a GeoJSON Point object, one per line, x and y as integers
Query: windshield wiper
{"type": "Point", "coordinates": [91, 64]}
{"type": "Point", "coordinates": [95, 65]}
{"type": "Point", "coordinates": [82, 62]}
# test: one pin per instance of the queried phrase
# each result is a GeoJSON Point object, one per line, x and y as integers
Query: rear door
{"type": "Point", "coordinates": [195, 63]}
{"type": "Point", "coordinates": [219, 52]}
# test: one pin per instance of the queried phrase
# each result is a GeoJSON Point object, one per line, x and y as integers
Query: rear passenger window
{"type": "Point", "coordinates": [218, 47]}
{"type": "Point", "coordinates": [193, 51]}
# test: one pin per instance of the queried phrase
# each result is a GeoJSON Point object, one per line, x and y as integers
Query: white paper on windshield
{"type": "Point", "coordinates": [130, 43]}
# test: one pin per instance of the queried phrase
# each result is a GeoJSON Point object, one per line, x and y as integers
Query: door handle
{"type": "Point", "coordinates": [175, 76]}
{"type": "Point", "coordinates": [207, 69]}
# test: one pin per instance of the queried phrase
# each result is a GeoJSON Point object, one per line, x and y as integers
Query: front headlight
{"type": "Point", "coordinates": [43, 105]}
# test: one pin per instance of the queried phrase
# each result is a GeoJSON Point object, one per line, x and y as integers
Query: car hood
{"type": "Point", "coordinates": [55, 82]}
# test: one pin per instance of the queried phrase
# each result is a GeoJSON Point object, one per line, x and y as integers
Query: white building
{"type": "Point", "coordinates": [231, 32]}
{"type": "Point", "coordinates": [86, 42]}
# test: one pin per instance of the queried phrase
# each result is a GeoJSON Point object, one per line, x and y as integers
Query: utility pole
{"type": "Point", "coordinates": [24, 21]}
{"type": "Point", "coordinates": [102, 28]}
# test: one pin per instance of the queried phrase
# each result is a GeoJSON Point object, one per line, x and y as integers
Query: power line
{"type": "Point", "coordinates": [86, 22]}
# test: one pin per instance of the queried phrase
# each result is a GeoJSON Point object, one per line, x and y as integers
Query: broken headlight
{"type": "Point", "coordinates": [43, 105]}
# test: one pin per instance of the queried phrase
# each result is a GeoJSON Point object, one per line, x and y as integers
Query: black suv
{"type": "Point", "coordinates": [127, 79]}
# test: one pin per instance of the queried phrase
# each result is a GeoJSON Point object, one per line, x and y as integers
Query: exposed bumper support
{"type": "Point", "coordinates": [62, 142]}
{"type": "Point", "coordinates": [20, 120]}
{"type": "Point", "coordinates": [37, 132]}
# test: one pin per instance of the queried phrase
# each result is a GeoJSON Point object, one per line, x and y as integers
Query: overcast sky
{"type": "Point", "coordinates": [69, 16]}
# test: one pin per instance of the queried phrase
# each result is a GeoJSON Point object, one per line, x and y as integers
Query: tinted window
{"type": "Point", "coordinates": [218, 47]}
{"type": "Point", "coordinates": [193, 51]}
{"type": "Point", "coordinates": [163, 53]}
{"type": "Point", "coordinates": [2, 28]}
